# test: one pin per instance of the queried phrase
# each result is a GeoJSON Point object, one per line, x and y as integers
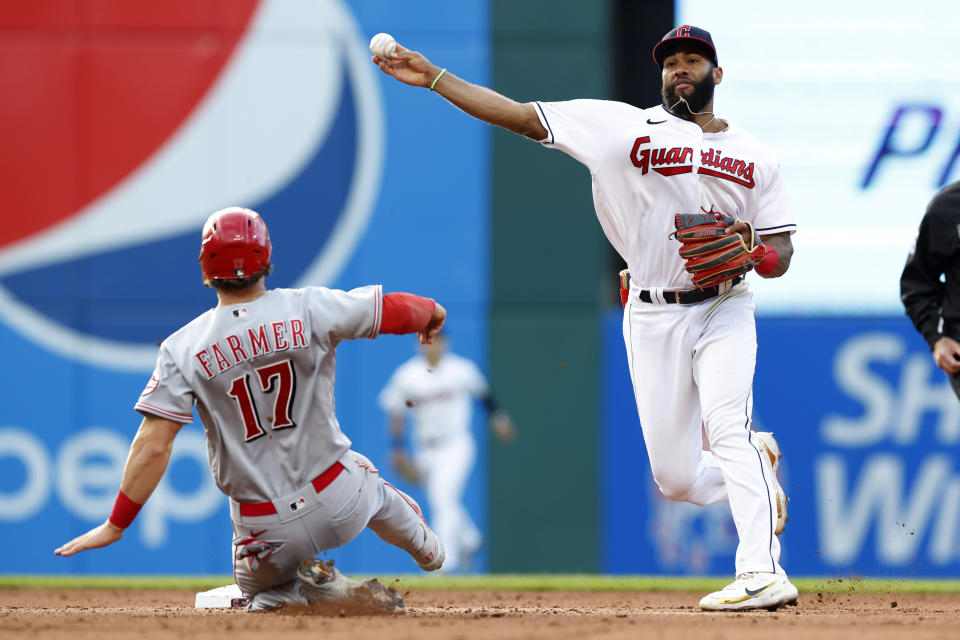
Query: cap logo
{"type": "Point", "coordinates": [684, 31]}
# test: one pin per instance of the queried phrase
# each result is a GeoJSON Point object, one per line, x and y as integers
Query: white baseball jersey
{"type": "Point", "coordinates": [440, 397]}
{"type": "Point", "coordinates": [648, 164]}
{"type": "Point", "coordinates": [262, 375]}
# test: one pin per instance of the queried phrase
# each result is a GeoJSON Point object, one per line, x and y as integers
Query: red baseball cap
{"type": "Point", "coordinates": [685, 34]}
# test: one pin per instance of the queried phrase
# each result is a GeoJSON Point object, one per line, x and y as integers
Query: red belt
{"type": "Point", "coordinates": [321, 482]}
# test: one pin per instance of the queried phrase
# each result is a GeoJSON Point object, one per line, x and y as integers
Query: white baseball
{"type": "Point", "coordinates": [383, 45]}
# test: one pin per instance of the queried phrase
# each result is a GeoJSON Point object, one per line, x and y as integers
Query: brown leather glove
{"type": "Point", "coordinates": [712, 255]}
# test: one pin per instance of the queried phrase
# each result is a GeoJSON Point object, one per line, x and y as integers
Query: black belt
{"type": "Point", "coordinates": [690, 296]}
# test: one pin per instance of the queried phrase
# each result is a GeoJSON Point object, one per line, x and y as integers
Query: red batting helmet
{"type": "Point", "coordinates": [235, 245]}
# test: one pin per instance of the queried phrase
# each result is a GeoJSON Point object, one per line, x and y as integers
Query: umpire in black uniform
{"type": "Point", "coordinates": [930, 283]}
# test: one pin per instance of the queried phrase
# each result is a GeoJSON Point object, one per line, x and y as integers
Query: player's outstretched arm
{"type": "Point", "coordinates": [414, 69]}
{"type": "Point", "coordinates": [146, 464]}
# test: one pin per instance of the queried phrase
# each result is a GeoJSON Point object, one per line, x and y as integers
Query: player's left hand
{"type": "Point", "coordinates": [98, 537]}
{"type": "Point", "coordinates": [429, 332]}
{"type": "Point", "coordinates": [745, 230]}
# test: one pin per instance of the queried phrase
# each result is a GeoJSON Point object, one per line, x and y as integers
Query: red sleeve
{"type": "Point", "coordinates": [405, 313]}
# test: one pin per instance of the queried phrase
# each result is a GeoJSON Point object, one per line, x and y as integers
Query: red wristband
{"type": "Point", "coordinates": [124, 511]}
{"type": "Point", "coordinates": [405, 313]}
{"type": "Point", "coordinates": [769, 262]}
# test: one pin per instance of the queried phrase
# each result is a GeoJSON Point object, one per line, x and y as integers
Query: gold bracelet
{"type": "Point", "coordinates": [437, 79]}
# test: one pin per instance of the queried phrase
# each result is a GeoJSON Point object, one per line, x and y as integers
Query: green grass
{"type": "Point", "coordinates": [196, 583]}
{"type": "Point", "coordinates": [498, 582]}
{"type": "Point", "coordinates": [550, 582]}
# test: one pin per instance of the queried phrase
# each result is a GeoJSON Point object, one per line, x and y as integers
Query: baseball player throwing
{"type": "Point", "coordinates": [260, 370]}
{"type": "Point", "coordinates": [438, 387]}
{"type": "Point", "coordinates": [691, 202]}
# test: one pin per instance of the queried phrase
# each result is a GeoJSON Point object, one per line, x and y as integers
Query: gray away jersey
{"type": "Point", "coordinates": [262, 374]}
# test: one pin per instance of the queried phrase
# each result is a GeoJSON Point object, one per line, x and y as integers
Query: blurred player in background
{"type": "Point", "coordinates": [930, 283]}
{"type": "Point", "coordinates": [260, 369]}
{"type": "Point", "coordinates": [438, 388]}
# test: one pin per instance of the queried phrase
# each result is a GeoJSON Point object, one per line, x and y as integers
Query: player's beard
{"type": "Point", "coordinates": [698, 99]}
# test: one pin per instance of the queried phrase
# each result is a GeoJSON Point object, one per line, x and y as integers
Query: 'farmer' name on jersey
{"type": "Point", "coordinates": [677, 160]}
{"type": "Point", "coordinates": [256, 341]}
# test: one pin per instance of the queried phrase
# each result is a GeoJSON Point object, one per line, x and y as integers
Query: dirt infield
{"type": "Point", "coordinates": [463, 615]}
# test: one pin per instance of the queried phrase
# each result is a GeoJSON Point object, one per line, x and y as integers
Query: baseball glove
{"type": "Point", "coordinates": [713, 257]}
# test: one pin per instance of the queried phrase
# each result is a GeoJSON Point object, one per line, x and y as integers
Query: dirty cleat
{"type": "Point", "coordinates": [752, 591]}
{"type": "Point", "coordinates": [769, 446]}
{"type": "Point", "coordinates": [322, 582]}
{"type": "Point", "coordinates": [378, 595]}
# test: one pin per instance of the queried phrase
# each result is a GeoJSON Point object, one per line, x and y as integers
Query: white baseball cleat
{"type": "Point", "coordinates": [752, 591]}
{"type": "Point", "coordinates": [769, 445]}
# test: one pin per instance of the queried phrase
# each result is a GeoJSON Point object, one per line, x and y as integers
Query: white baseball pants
{"type": "Point", "coordinates": [693, 365]}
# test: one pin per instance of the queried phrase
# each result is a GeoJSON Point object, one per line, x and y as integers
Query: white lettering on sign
{"type": "Point", "coordinates": [33, 494]}
{"type": "Point", "coordinates": [88, 468]}
{"type": "Point", "coordinates": [890, 412]}
{"type": "Point", "coordinates": [878, 498]}
{"type": "Point", "coordinates": [86, 483]}
{"type": "Point", "coordinates": [918, 396]}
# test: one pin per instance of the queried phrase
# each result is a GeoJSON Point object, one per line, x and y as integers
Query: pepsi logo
{"type": "Point", "coordinates": [134, 124]}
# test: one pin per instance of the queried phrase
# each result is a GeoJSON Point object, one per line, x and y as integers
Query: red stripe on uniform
{"type": "Point", "coordinates": [149, 408]}
{"type": "Point", "coordinates": [413, 505]}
